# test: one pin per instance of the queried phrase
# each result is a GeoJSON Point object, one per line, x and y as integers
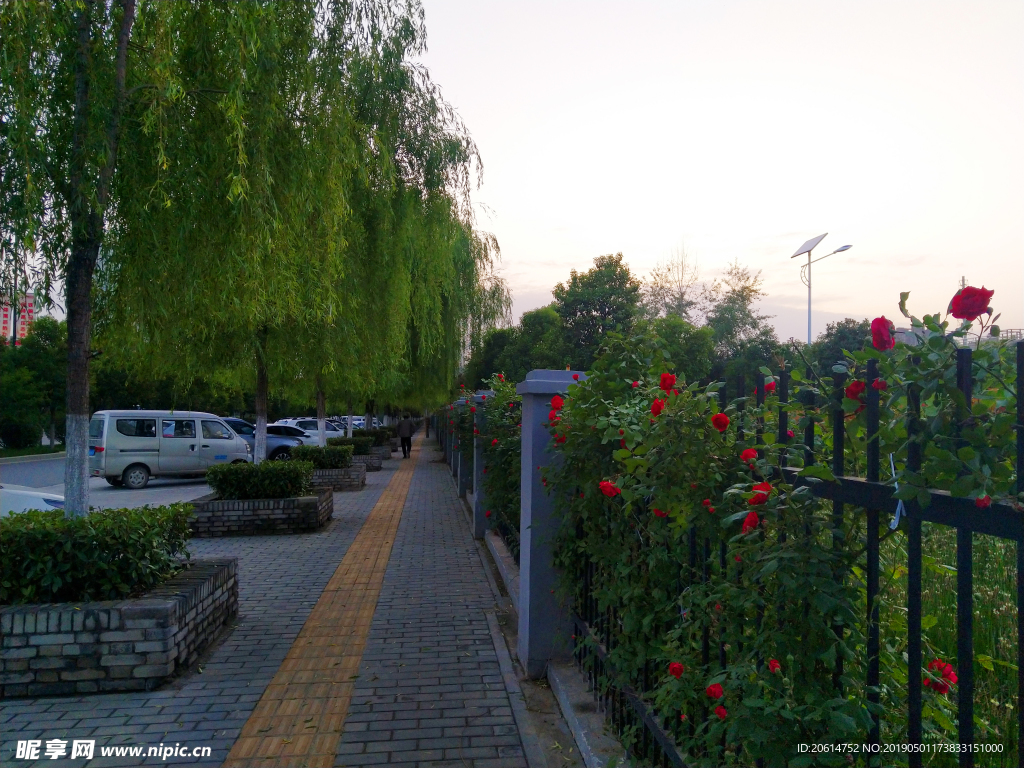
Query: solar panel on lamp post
{"type": "Point", "coordinates": [805, 270]}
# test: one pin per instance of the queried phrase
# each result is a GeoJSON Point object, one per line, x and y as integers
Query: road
{"type": "Point", "coordinates": [47, 474]}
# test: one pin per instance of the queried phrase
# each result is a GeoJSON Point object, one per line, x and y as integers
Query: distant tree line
{"type": "Point", "coordinates": [711, 329]}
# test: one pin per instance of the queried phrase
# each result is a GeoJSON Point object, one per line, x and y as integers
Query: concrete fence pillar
{"type": "Point", "coordinates": [460, 406]}
{"type": "Point", "coordinates": [545, 628]}
{"type": "Point", "coordinates": [480, 522]}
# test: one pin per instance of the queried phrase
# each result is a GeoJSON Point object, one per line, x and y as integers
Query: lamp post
{"type": "Point", "coordinates": [805, 270]}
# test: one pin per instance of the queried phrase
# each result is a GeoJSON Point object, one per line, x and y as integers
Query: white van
{"type": "Point", "coordinates": [129, 447]}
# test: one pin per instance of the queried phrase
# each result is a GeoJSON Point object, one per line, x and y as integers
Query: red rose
{"type": "Point", "coordinates": [511, 405]}
{"type": "Point", "coordinates": [575, 377]}
{"type": "Point", "coordinates": [668, 380]}
{"type": "Point", "coordinates": [476, 431]}
{"type": "Point", "coordinates": [636, 384]}
{"type": "Point", "coordinates": [485, 470]}
{"type": "Point", "coordinates": [683, 718]}
{"type": "Point", "coordinates": [706, 502]}
{"type": "Point", "coordinates": [557, 402]}
{"type": "Point", "coordinates": [676, 669]}
{"type": "Point", "coordinates": [552, 415]}
{"type": "Point", "coordinates": [622, 431]}
{"type": "Point", "coordinates": [790, 433]}
{"type": "Point", "coordinates": [769, 387]}
{"type": "Point", "coordinates": [970, 302]}
{"type": "Point", "coordinates": [693, 485]}
{"type": "Point", "coordinates": [711, 509]}
{"type": "Point", "coordinates": [763, 487]}
{"type": "Point", "coordinates": [501, 377]}
{"type": "Point", "coordinates": [622, 443]}
{"type": "Point", "coordinates": [774, 666]}
{"type": "Point", "coordinates": [757, 498]}
{"type": "Point", "coordinates": [660, 513]}
{"type": "Point", "coordinates": [748, 455]}
{"type": "Point", "coordinates": [738, 559]}
{"type": "Point", "coordinates": [722, 712]}
{"type": "Point", "coordinates": [855, 390]}
{"type": "Point", "coordinates": [714, 691]}
{"type": "Point", "coordinates": [882, 331]}
{"type": "Point", "coordinates": [487, 513]}
{"type": "Point", "coordinates": [462, 386]}
{"type": "Point", "coordinates": [609, 488]}
{"type": "Point", "coordinates": [750, 522]}
{"type": "Point", "coordinates": [657, 406]}
{"type": "Point", "coordinates": [720, 422]}
{"type": "Point", "coordinates": [472, 409]}
{"type": "Point", "coordinates": [880, 384]}
{"type": "Point", "coordinates": [560, 439]}
{"type": "Point", "coordinates": [483, 397]}
{"type": "Point", "coordinates": [983, 502]}
{"type": "Point", "coordinates": [494, 441]}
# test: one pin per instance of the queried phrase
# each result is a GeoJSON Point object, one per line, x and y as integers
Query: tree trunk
{"type": "Point", "coordinates": [321, 413]}
{"type": "Point", "coordinates": [78, 292]}
{"type": "Point", "coordinates": [351, 417]}
{"type": "Point", "coordinates": [259, 452]}
{"type": "Point", "coordinates": [53, 428]}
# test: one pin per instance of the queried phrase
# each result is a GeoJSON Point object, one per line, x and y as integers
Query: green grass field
{"type": "Point", "coordinates": [34, 450]}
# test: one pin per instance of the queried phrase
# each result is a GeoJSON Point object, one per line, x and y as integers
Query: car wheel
{"type": "Point", "coordinates": [135, 477]}
{"type": "Point", "coordinates": [281, 455]}
{"type": "Point", "coordinates": [115, 481]}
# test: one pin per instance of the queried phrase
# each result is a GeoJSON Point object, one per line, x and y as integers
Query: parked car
{"type": "Point", "coordinates": [129, 447]}
{"type": "Point", "coordinates": [310, 426]}
{"type": "Point", "coordinates": [287, 430]}
{"type": "Point", "coordinates": [21, 498]}
{"type": "Point", "coordinates": [278, 448]}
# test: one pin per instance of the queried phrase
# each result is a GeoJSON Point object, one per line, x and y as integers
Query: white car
{"type": "Point", "coordinates": [21, 498]}
{"type": "Point", "coordinates": [282, 429]}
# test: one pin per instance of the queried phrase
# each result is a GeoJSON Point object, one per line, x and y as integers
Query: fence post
{"type": "Point", "coordinates": [479, 506]}
{"type": "Point", "coordinates": [456, 448]}
{"type": "Point", "coordinates": [545, 623]}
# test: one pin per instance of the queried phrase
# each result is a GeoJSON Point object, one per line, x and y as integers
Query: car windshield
{"type": "Point", "coordinates": [96, 428]}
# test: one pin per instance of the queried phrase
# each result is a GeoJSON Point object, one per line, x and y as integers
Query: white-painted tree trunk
{"type": "Point", "coordinates": [76, 465]}
{"type": "Point", "coordinates": [321, 418]}
{"type": "Point", "coordinates": [351, 417]}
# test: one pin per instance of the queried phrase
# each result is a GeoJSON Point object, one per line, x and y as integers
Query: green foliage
{"type": "Point", "coordinates": [602, 299]}
{"type": "Point", "coordinates": [828, 348]}
{"type": "Point", "coordinates": [105, 555]}
{"type": "Point", "coordinates": [267, 480]}
{"type": "Point", "coordinates": [360, 445]}
{"type": "Point", "coordinates": [502, 414]}
{"type": "Point", "coordinates": [744, 338]}
{"type": "Point", "coordinates": [690, 349]}
{"type": "Point", "coordinates": [330, 457]}
{"type": "Point", "coordinates": [380, 436]}
{"type": "Point", "coordinates": [538, 341]}
{"type": "Point", "coordinates": [32, 381]}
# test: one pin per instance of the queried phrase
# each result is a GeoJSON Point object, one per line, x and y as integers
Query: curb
{"type": "Point", "coordinates": [572, 692]}
{"type": "Point", "coordinates": [33, 457]}
{"type": "Point", "coordinates": [507, 567]}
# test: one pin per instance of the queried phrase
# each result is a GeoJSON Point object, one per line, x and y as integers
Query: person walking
{"type": "Point", "coordinates": [405, 429]}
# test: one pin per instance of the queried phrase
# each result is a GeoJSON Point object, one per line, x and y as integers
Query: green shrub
{"type": "Point", "coordinates": [46, 557]}
{"type": "Point", "coordinates": [361, 445]}
{"type": "Point", "coordinates": [267, 480]}
{"type": "Point", "coordinates": [379, 436]}
{"type": "Point", "coordinates": [331, 457]}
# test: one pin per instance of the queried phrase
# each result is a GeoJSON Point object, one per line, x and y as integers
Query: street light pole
{"type": "Point", "coordinates": [805, 270]}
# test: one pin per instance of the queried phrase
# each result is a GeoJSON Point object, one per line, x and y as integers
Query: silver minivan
{"type": "Point", "coordinates": [129, 447]}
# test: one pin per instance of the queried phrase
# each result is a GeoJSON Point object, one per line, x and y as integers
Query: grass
{"type": "Point", "coordinates": [33, 450]}
{"type": "Point", "coordinates": [995, 638]}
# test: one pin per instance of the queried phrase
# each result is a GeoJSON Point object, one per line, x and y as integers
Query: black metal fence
{"type": "Point", "coordinates": [867, 496]}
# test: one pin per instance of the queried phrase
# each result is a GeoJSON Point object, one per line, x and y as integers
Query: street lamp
{"type": "Point", "coordinates": [805, 270]}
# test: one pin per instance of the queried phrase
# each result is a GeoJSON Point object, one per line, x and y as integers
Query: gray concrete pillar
{"type": "Point", "coordinates": [545, 629]}
{"type": "Point", "coordinates": [480, 521]}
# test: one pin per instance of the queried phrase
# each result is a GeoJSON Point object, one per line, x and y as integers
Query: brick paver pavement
{"type": "Point", "coordinates": [429, 689]}
{"type": "Point", "coordinates": [280, 579]}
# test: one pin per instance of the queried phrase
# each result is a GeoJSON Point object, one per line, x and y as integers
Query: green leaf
{"type": "Point", "coordinates": [622, 454]}
{"type": "Point", "coordinates": [904, 295]}
{"type": "Point", "coordinates": [819, 471]}
{"type": "Point", "coordinates": [768, 438]}
{"type": "Point", "coordinates": [766, 370]}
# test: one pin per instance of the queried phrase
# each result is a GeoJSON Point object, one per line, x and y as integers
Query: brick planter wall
{"type": "Point", "coordinates": [395, 445]}
{"type": "Point", "coordinates": [245, 517]}
{"type": "Point", "coordinates": [373, 463]}
{"type": "Point", "coordinates": [116, 645]}
{"type": "Point", "coordinates": [384, 451]}
{"type": "Point", "coordinates": [348, 479]}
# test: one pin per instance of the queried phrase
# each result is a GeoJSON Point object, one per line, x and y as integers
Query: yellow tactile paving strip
{"type": "Point", "coordinates": [298, 720]}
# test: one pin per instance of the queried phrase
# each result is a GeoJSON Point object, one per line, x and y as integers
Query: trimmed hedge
{"type": "Point", "coordinates": [380, 436]}
{"type": "Point", "coordinates": [331, 457]}
{"type": "Point", "coordinates": [111, 554]}
{"type": "Point", "coordinates": [361, 445]}
{"type": "Point", "coordinates": [267, 480]}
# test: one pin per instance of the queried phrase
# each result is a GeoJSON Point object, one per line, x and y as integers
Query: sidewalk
{"type": "Point", "coordinates": [415, 677]}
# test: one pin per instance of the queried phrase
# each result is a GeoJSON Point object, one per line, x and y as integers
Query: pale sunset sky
{"type": "Point", "coordinates": [742, 128]}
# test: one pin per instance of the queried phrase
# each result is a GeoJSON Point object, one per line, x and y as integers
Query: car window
{"type": "Point", "coordinates": [96, 428]}
{"type": "Point", "coordinates": [137, 427]}
{"type": "Point", "coordinates": [178, 428]}
{"type": "Point", "coordinates": [306, 425]}
{"type": "Point", "coordinates": [242, 428]}
{"type": "Point", "coordinates": [214, 430]}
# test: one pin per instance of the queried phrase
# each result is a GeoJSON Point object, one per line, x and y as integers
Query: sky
{"type": "Point", "coordinates": [740, 129]}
